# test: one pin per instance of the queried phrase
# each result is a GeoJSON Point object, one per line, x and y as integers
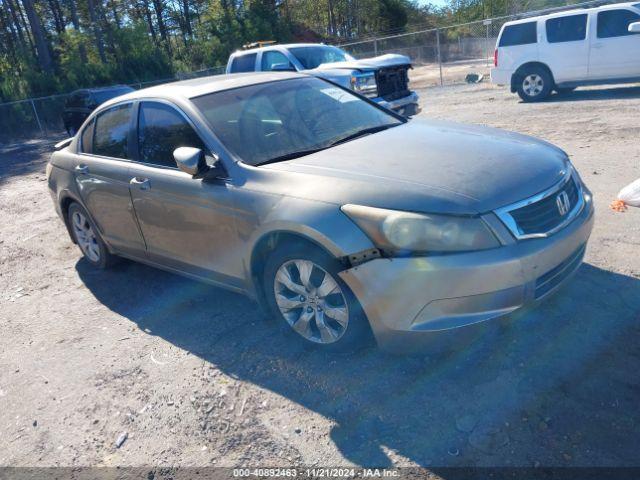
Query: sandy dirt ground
{"type": "Point", "coordinates": [195, 376]}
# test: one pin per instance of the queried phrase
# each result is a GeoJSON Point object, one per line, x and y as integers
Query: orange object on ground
{"type": "Point", "coordinates": [618, 206]}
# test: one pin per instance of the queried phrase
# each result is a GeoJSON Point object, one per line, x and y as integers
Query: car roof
{"type": "Point", "coordinates": [574, 11]}
{"type": "Point", "coordinates": [196, 87]}
{"type": "Point", "coordinates": [276, 46]}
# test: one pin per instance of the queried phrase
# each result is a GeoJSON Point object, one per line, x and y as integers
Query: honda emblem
{"type": "Point", "coordinates": [563, 203]}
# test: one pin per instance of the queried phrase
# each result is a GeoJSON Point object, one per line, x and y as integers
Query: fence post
{"type": "Point", "coordinates": [375, 47]}
{"type": "Point", "coordinates": [35, 112]}
{"type": "Point", "coordinates": [487, 48]}
{"type": "Point", "coordinates": [439, 55]}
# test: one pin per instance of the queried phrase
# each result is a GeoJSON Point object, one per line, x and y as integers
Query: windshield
{"type": "Point", "coordinates": [288, 118]}
{"type": "Point", "coordinates": [312, 57]}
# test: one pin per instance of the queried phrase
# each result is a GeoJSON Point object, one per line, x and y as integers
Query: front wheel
{"type": "Point", "coordinates": [302, 288]}
{"type": "Point", "coordinates": [534, 84]}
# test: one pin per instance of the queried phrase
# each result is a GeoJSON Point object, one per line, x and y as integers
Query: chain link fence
{"type": "Point", "coordinates": [42, 116]}
{"type": "Point", "coordinates": [441, 56]}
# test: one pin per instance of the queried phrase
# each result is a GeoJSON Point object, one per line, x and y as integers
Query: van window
{"type": "Point", "coordinates": [244, 63]}
{"type": "Point", "coordinates": [520, 34]}
{"type": "Point", "coordinates": [567, 29]}
{"type": "Point", "coordinates": [615, 23]}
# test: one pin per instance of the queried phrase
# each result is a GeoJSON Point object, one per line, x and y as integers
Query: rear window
{"type": "Point", "coordinates": [111, 130]}
{"type": "Point", "coordinates": [567, 29]}
{"type": "Point", "coordinates": [520, 34]}
{"type": "Point", "coordinates": [244, 63]}
{"type": "Point", "coordinates": [615, 23]}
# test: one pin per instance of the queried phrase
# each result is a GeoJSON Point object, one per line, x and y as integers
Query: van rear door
{"type": "Point", "coordinates": [565, 48]}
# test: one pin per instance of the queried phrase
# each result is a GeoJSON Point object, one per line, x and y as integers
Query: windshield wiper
{"type": "Point", "coordinates": [363, 132]}
{"type": "Point", "coordinates": [291, 156]}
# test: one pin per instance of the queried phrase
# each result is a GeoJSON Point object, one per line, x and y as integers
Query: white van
{"type": "Point", "coordinates": [567, 49]}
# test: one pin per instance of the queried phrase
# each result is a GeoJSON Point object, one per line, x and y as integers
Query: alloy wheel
{"type": "Point", "coordinates": [311, 301]}
{"type": "Point", "coordinates": [85, 236]}
{"type": "Point", "coordinates": [533, 85]}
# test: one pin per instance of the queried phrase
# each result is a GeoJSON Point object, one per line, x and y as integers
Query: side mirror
{"type": "Point", "coordinates": [634, 27]}
{"type": "Point", "coordinates": [282, 67]}
{"type": "Point", "coordinates": [190, 160]}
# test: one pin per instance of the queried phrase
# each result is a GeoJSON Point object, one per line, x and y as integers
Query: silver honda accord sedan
{"type": "Point", "coordinates": [337, 215]}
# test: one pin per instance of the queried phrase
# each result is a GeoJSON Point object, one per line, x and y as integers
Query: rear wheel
{"type": "Point", "coordinates": [88, 239]}
{"type": "Point", "coordinates": [534, 84]}
{"type": "Point", "coordinates": [303, 289]}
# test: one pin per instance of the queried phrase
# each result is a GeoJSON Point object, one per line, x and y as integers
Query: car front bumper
{"type": "Point", "coordinates": [409, 301]}
{"type": "Point", "coordinates": [406, 106]}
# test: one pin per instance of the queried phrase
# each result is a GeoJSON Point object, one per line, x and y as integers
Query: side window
{"type": "Point", "coordinates": [520, 34]}
{"type": "Point", "coordinates": [567, 29]}
{"type": "Point", "coordinates": [272, 58]}
{"type": "Point", "coordinates": [161, 129]}
{"type": "Point", "coordinates": [111, 131]}
{"type": "Point", "coordinates": [85, 138]}
{"type": "Point", "coordinates": [615, 23]}
{"type": "Point", "coordinates": [244, 63]}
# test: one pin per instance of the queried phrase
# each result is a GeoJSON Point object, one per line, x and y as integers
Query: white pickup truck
{"type": "Point", "coordinates": [383, 79]}
{"type": "Point", "coordinates": [564, 50]}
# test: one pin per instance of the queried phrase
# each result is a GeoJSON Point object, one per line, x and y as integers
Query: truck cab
{"type": "Point", "coordinates": [383, 79]}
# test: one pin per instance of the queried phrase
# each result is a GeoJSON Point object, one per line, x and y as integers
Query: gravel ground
{"type": "Point", "coordinates": [195, 376]}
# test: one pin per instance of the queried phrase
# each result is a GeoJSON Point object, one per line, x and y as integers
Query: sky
{"type": "Point", "coordinates": [438, 3]}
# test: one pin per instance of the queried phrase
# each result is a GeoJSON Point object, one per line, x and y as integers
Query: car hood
{"type": "Point", "coordinates": [429, 166]}
{"type": "Point", "coordinates": [382, 61]}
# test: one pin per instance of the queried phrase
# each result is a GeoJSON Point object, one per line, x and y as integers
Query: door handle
{"type": "Point", "coordinates": [82, 169]}
{"type": "Point", "coordinates": [141, 183]}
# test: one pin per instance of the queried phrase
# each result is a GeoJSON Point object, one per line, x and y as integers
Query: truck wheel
{"type": "Point", "coordinates": [534, 84]}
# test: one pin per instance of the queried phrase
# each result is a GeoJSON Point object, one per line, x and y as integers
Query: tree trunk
{"type": "Point", "coordinates": [76, 26]}
{"type": "Point", "coordinates": [96, 31]}
{"type": "Point", "coordinates": [152, 30]}
{"type": "Point", "coordinates": [44, 56]}
{"type": "Point", "coordinates": [17, 15]}
{"type": "Point", "coordinates": [187, 18]}
{"type": "Point", "coordinates": [159, 8]}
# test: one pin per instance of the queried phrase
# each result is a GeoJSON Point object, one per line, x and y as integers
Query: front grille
{"type": "Point", "coordinates": [555, 276]}
{"type": "Point", "coordinates": [544, 215]}
{"type": "Point", "coordinates": [393, 82]}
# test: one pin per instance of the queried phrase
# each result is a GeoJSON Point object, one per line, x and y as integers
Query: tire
{"type": "Point", "coordinates": [534, 84]}
{"type": "Point", "coordinates": [565, 90]}
{"type": "Point", "coordinates": [87, 238]}
{"type": "Point", "coordinates": [301, 306]}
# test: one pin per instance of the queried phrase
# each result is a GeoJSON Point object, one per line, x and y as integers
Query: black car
{"type": "Point", "coordinates": [81, 103]}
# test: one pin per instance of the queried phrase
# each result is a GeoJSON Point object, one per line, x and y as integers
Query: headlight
{"type": "Point", "coordinates": [365, 84]}
{"type": "Point", "coordinates": [404, 232]}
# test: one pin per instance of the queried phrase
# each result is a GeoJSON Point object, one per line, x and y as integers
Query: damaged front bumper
{"type": "Point", "coordinates": [405, 106]}
{"type": "Point", "coordinates": [413, 301]}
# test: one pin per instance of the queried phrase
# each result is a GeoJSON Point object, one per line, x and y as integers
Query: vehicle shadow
{"type": "Point", "coordinates": [611, 93]}
{"type": "Point", "coordinates": [556, 385]}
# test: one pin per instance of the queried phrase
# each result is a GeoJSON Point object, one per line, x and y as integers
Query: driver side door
{"type": "Point", "coordinates": [187, 223]}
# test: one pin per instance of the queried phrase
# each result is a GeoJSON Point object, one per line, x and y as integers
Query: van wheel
{"type": "Point", "coordinates": [534, 84]}
{"type": "Point", "coordinates": [303, 290]}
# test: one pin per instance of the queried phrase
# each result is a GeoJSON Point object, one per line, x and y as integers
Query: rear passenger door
{"type": "Point", "coordinates": [102, 176]}
{"type": "Point", "coordinates": [615, 52]}
{"type": "Point", "coordinates": [566, 50]}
